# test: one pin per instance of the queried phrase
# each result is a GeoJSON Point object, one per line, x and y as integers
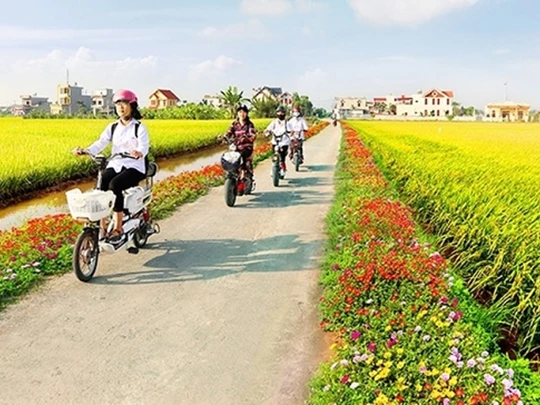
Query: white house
{"type": "Point", "coordinates": [216, 101]}
{"type": "Point", "coordinates": [351, 107]}
{"type": "Point", "coordinates": [433, 103]}
{"type": "Point", "coordinates": [102, 102]}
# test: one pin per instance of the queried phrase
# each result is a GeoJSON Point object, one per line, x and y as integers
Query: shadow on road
{"type": "Point", "coordinates": [194, 260]}
{"type": "Point", "coordinates": [320, 168]}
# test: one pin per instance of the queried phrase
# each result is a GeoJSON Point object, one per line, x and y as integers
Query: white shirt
{"type": "Point", "coordinates": [279, 127]}
{"type": "Point", "coordinates": [299, 125]}
{"type": "Point", "coordinates": [123, 140]}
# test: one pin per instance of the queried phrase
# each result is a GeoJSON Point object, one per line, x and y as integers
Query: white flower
{"type": "Point", "coordinates": [326, 388]}
{"type": "Point", "coordinates": [355, 385]}
{"type": "Point", "coordinates": [370, 301]}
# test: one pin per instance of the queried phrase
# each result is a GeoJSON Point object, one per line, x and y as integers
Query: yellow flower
{"type": "Point", "coordinates": [453, 381]}
{"type": "Point", "coordinates": [388, 328]}
{"type": "Point", "coordinates": [370, 360]}
{"type": "Point", "coordinates": [380, 362]}
{"type": "Point", "coordinates": [382, 374]}
{"type": "Point", "coordinates": [387, 355]}
{"type": "Point", "coordinates": [448, 393]}
{"type": "Point", "coordinates": [436, 394]}
{"type": "Point", "coordinates": [434, 319]}
{"type": "Point", "coordinates": [400, 365]}
{"type": "Point", "coordinates": [435, 371]}
{"type": "Point", "coordinates": [400, 350]}
{"type": "Point", "coordinates": [373, 373]}
{"type": "Point", "coordinates": [381, 400]}
{"type": "Point", "coordinates": [421, 314]}
{"type": "Point", "coordinates": [333, 346]}
{"type": "Point", "coordinates": [440, 324]}
{"type": "Point", "coordinates": [418, 387]}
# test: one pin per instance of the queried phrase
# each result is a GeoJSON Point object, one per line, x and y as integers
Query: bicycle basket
{"type": "Point", "coordinates": [92, 205]}
{"type": "Point", "coordinates": [230, 161]}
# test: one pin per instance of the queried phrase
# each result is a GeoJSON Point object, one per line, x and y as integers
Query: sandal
{"type": "Point", "coordinates": [115, 236]}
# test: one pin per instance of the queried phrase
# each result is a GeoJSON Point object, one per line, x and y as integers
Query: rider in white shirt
{"type": "Point", "coordinates": [127, 135]}
{"type": "Point", "coordinates": [298, 125]}
{"type": "Point", "coordinates": [280, 126]}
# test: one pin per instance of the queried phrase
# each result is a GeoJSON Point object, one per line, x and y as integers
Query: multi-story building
{"type": "Point", "coordinates": [102, 102]}
{"type": "Point", "coordinates": [351, 107]}
{"type": "Point", "coordinates": [434, 103]}
{"type": "Point", "coordinates": [71, 100]}
{"type": "Point", "coordinates": [30, 103]}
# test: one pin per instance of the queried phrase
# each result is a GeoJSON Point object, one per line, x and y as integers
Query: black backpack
{"type": "Point", "coordinates": [137, 125]}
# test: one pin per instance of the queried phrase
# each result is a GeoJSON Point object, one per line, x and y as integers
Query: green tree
{"type": "Point", "coordinates": [231, 99]}
{"type": "Point", "coordinates": [304, 103]}
{"type": "Point", "coordinates": [264, 107]}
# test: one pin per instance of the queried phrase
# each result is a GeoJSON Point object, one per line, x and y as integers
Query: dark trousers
{"type": "Point", "coordinates": [118, 182]}
{"type": "Point", "coordinates": [247, 159]}
{"type": "Point", "coordinates": [283, 153]}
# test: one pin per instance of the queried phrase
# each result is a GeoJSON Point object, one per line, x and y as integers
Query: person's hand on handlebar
{"type": "Point", "coordinates": [136, 154]}
{"type": "Point", "coordinates": [78, 151]}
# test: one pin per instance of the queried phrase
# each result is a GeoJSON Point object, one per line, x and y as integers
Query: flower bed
{"type": "Point", "coordinates": [43, 246]}
{"type": "Point", "coordinates": [407, 330]}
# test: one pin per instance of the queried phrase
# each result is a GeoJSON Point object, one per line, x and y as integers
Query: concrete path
{"type": "Point", "coordinates": [220, 308]}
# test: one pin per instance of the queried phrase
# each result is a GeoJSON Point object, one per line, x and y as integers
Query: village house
{"type": "Point", "coordinates": [276, 93]}
{"type": "Point", "coordinates": [215, 101]}
{"type": "Point", "coordinates": [30, 103]}
{"type": "Point", "coordinates": [71, 100]}
{"type": "Point", "coordinates": [433, 103]}
{"type": "Point", "coordinates": [162, 98]}
{"type": "Point", "coordinates": [507, 111]}
{"type": "Point", "coordinates": [351, 107]}
{"type": "Point", "coordinates": [102, 102]}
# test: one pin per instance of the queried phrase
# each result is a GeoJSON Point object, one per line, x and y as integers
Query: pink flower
{"type": "Point", "coordinates": [372, 346]}
{"type": "Point", "coordinates": [445, 377]}
{"type": "Point", "coordinates": [489, 379]}
{"type": "Point", "coordinates": [355, 335]}
{"type": "Point", "coordinates": [345, 379]}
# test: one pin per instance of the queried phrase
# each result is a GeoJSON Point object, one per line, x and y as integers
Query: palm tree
{"type": "Point", "coordinates": [232, 99]}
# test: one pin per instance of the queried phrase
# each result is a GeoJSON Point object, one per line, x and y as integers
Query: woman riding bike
{"type": "Point", "coordinates": [127, 135]}
{"type": "Point", "coordinates": [298, 126]}
{"type": "Point", "coordinates": [242, 133]}
{"type": "Point", "coordinates": [280, 127]}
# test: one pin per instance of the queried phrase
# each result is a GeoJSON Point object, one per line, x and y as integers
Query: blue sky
{"type": "Point", "coordinates": [321, 48]}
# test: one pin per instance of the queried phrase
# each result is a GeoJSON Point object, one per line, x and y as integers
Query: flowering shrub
{"type": "Point", "coordinates": [406, 332]}
{"type": "Point", "coordinates": [44, 245]}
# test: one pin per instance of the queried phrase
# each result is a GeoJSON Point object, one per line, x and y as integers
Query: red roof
{"type": "Point", "coordinates": [449, 93]}
{"type": "Point", "coordinates": [168, 94]}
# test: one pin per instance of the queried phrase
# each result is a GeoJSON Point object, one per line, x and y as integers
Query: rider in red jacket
{"type": "Point", "coordinates": [243, 133]}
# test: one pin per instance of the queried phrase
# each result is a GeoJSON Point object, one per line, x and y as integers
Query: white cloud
{"type": "Point", "coordinates": [280, 7]}
{"type": "Point", "coordinates": [306, 31]}
{"type": "Point", "coordinates": [307, 6]}
{"type": "Point", "coordinates": [405, 12]}
{"type": "Point", "coordinates": [22, 34]}
{"type": "Point", "coordinates": [266, 7]}
{"type": "Point", "coordinates": [82, 60]}
{"type": "Point", "coordinates": [313, 77]}
{"type": "Point", "coordinates": [212, 68]}
{"type": "Point", "coordinates": [253, 29]}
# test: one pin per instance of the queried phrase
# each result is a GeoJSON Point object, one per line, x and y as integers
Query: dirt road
{"type": "Point", "coordinates": [219, 309]}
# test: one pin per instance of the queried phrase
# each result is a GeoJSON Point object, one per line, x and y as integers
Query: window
{"type": "Point", "coordinates": [438, 101]}
{"type": "Point", "coordinates": [100, 102]}
{"type": "Point", "coordinates": [426, 101]}
{"type": "Point", "coordinates": [433, 101]}
{"type": "Point", "coordinates": [438, 113]}
{"type": "Point", "coordinates": [425, 113]}
{"type": "Point", "coordinates": [447, 101]}
{"type": "Point", "coordinates": [154, 102]}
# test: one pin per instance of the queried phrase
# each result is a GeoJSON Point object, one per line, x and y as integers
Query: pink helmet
{"type": "Point", "coordinates": [125, 95]}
